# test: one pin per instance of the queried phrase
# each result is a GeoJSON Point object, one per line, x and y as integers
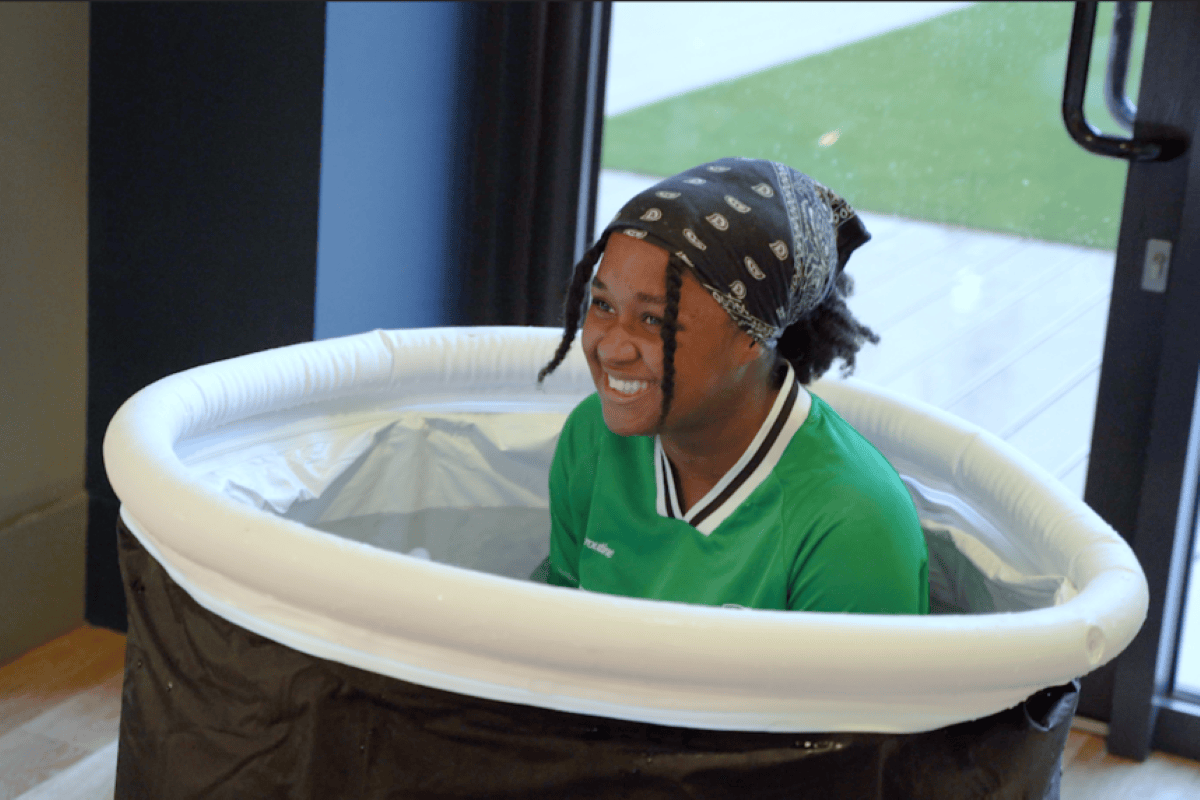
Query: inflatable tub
{"type": "Point", "coordinates": [326, 550]}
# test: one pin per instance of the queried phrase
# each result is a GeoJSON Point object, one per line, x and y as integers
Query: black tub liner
{"type": "Point", "coordinates": [212, 710]}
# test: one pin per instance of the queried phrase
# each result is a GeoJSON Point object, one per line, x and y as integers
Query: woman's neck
{"type": "Point", "coordinates": [703, 454]}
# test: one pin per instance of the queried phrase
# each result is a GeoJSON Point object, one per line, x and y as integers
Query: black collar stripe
{"type": "Point", "coordinates": [667, 504]}
{"type": "Point", "coordinates": [676, 487]}
{"type": "Point", "coordinates": [753, 464]}
{"type": "Point", "coordinates": [674, 506]}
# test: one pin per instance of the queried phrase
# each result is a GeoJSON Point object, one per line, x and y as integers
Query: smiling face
{"type": "Point", "coordinates": [622, 341]}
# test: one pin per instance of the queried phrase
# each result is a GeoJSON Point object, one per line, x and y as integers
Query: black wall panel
{"type": "Point", "coordinates": [204, 174]}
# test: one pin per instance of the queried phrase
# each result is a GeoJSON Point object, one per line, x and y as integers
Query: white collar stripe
{"type": "Point", "coordinates": [673, 504]}
{"type": "Point", "coordinates": [759, 475]}
{"type": "Point", "coordinates": [668, 488]}
{"type": "Point", "coordinates": [744, 477]}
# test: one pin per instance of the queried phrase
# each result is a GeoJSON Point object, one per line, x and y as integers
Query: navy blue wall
{"type": "Point", "coordinates": [391, 152]}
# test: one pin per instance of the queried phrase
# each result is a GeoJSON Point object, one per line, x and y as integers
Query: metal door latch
{"type": "Point", "coordinates": [1156, 266]}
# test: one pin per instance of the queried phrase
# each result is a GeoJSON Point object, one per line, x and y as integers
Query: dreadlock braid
{"type": "Point", "coordinates": [573, 305]}
{"type": "Point", "coordinates": [830, 331]}
{"type": "Point", "coordinates": [674, 282]}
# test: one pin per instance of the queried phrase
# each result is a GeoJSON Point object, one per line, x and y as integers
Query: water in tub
{"type": "Point", "coordinates": [469, 489]}
{"type": "Point", "coordinates": [465, 488]}
{"type": "Point", "coordinates": [505, 541]}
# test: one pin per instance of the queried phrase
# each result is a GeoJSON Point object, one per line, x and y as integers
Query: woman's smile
{"type": "Point", "coordinates": [631, 406]}
{"type": "Point", "coordinates": [688, 312]}
{"type": "Point", "coordinates": [626, 388]}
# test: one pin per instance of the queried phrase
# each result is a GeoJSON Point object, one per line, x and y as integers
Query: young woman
{"type": "Point", "coordinates": [703, 470]}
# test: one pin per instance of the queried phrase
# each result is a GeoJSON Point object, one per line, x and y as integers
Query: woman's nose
{"type": "Point", "coordinates": [616, 345]}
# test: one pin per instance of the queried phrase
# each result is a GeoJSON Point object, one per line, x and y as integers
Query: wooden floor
{"type": "Point", "coordinates": [59, 709]}
{"type": "Point", "coordinates": [60, 703]}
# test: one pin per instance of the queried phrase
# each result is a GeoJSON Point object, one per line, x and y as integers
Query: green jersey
{"type": "Point", "coordinates": [811, 518]}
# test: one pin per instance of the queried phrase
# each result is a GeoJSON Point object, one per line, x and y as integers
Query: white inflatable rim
{"type": "Point", "coordinates": [664, 663]}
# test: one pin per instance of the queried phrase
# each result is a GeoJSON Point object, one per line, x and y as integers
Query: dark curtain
{"type": "Point", "coordinates": [204, 159]}
{"type": "Point", "coordinates": [534, 153]}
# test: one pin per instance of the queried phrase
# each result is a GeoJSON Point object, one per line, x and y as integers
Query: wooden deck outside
{"type": "Point", "coordinates": [1001, 331]}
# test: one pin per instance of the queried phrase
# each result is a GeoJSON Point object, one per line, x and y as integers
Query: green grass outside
{"type": "Point", "coordinates": [954, 120]}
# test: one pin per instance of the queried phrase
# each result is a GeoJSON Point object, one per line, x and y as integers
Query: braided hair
{"type": "Point", "coordinates": [670, 325]}
{"type": "Point", "coordinates": [731, 253]}
{"type": "Point", "coordinates": [573, 305]}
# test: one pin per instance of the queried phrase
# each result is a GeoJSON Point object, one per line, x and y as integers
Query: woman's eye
{"type": "Point", "coordinates": [652, 320]}
{"type": "Point", "coordinates": [600, 304]}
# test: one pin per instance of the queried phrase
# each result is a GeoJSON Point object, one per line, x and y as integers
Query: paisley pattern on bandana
{"type": "Point", "coordinates": [789, 234]}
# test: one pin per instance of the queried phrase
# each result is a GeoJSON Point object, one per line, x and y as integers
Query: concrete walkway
{"type": "Point", "coordinates": [658, 50]}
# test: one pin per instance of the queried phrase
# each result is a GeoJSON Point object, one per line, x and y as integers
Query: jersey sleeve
{"type": "Point", "coordinates": [865, 553]}
{"type": "Point", "coordinates": [571, 474]}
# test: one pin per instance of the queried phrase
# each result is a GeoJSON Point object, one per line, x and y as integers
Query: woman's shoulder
{"type": "Point", "coordinates": [587, 416]}
{"type": "Point", "coordinates": [847, 504]}
{"type": "Point", "coordinates": [584, 428]}
{"type": "Point", "coordinates": [826, 437]}
{"type": "Point", "coordinates": [833, 460]}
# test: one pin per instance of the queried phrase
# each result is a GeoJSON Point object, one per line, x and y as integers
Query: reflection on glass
{"type": "Point", "coordinates": [1187, 667]}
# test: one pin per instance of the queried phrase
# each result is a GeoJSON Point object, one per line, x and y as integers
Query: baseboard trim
{"type": "Point", "coordinates": [42, 575]}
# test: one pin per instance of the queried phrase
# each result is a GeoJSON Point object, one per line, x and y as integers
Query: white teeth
{"type": "Point", "coordinates": [627, 387]}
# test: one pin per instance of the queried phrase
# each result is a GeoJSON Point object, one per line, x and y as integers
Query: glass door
{"type": "Point", "coordinates": [1187, 665]}
{"type": "Point", "coordinates": [991, 264]}
{"type": "Point", "coordinates": [1005, 269]}
{"type": "Point", "coordinates": [1143, 473]}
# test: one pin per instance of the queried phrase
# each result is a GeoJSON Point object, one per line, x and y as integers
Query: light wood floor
{"type": "Point", "coordinates": [59, 709]}
{"type": "Point", "coordinates": [60, 704]}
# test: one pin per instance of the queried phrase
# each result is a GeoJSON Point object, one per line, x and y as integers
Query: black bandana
{"type": "Point", "coordinates": [765, 240]}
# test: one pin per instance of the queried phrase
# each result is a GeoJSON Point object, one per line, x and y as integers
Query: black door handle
{"type": "Point", "coordinates": [1115, 97]}
{"type": "Point", "coordinates": [1090, 139]}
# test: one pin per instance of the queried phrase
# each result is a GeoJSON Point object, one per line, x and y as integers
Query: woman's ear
{"type": "Point", "coordinates": [753, 352]}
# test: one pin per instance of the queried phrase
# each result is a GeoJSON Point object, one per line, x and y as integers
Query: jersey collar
{"type": "Point", "coordinates": [743, 477]}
